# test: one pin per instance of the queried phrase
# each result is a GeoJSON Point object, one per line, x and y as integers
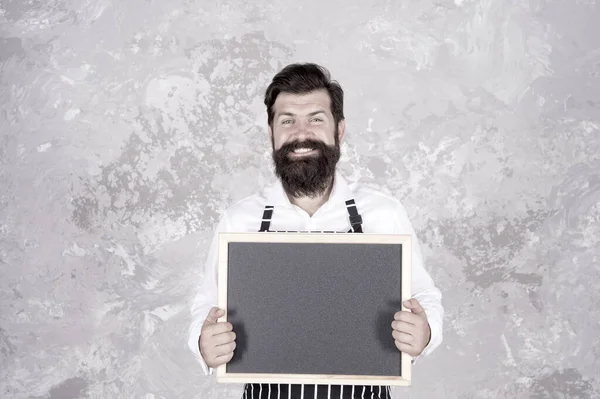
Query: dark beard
{"type": "Point", "coordinates": [307, 176]}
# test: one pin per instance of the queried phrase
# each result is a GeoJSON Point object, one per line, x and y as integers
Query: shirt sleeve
{"type": "Point", "coordinates": [423, 288]}
{"type": "Point", "coordinates": [206, 296]}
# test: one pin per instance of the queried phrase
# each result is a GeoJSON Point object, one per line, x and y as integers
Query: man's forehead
{"type": "Point", "coordinates": [288, 102]}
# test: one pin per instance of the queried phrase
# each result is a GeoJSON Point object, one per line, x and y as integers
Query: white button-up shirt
{"type": "Point", "coordinates": [381, 214]}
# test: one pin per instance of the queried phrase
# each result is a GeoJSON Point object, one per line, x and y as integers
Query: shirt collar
{"type": "Point", "coordinates": [341, 192]}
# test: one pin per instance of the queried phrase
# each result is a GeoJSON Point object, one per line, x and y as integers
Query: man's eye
{"type": "Point", "coordinates": [317, 120]}
{"type": "Point", "coordinates": [286, 121]}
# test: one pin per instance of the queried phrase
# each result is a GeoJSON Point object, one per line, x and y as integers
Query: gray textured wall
{"type": "Point", "coordinates": [126, 126]}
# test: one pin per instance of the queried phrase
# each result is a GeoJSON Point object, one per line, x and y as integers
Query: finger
{"type": "Point", "coordinates": [217, 345]}
{"type": "Point", "coordinates": [418, 320]}
{"type": "Point", "coordinates": [403, 337]}
{"type": "Point", "coordinates": [406, 317]}
{"type": "Point", "coordinates": [217, 361]}
{"type": "Point", "coordinates": [219, 328]}
{"type": "Point", "coordinates": [214, 315]}
{"type": "Point", "coordinates": [413, 318]}
{"type": "Point", "coordinates": [222, 350]}
{"type": "Point", "coordinates": [227, 348]}
{"type": "Point", "coordinates": [402, 326]}
{"type": "Point", "coordinates": [414, 306]}
{"type": "Point", "coordinates": [224, 358]}
{"type": "Point", "coordinates": [223, 338]}
{"type": "Point", "coordinates": [406, 348]}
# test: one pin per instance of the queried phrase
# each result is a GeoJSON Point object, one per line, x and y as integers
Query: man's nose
{"type": "Point", "coordinates": [303, 130]}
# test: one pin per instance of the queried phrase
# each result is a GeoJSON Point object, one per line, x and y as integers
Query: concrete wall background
{"type": "Point", "coordinates": [125, 127]}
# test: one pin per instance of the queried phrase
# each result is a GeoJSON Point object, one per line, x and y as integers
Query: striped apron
{"type": "Point", "coordinates": [307, 391]}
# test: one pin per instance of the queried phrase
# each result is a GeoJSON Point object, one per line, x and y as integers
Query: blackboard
{"type": "Point", "coordinates": [314, 308]}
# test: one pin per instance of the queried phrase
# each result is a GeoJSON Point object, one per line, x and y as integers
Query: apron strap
{"type": "Point", "coordinates": [355, 218]}
{"type": "Point", "coordinates": [266, 218]}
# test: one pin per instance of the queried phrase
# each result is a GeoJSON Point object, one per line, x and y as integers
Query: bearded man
{"type": "Point", "coordinates": [306, 125]}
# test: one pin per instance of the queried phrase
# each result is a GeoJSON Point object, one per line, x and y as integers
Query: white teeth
{"type": "Point", "coordinates": [302, 150]}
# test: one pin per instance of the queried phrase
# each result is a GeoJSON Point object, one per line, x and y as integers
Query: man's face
{"type": "Point", "coordinates": [306, 142]}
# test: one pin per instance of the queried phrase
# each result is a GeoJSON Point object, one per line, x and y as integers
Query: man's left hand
{"type": "Point", "coordinates": [410, 329]}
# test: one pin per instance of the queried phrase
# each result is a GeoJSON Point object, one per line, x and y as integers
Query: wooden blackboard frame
{"type": "Point", "coordinates": [318, 238]}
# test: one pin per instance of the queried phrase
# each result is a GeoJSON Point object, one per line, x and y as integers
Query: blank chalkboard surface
{"type": "Point", "coordinates": [314, 307]}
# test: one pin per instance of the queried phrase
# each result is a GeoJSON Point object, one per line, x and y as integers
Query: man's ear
{"type": "Point", "coordinates": [341, 129]}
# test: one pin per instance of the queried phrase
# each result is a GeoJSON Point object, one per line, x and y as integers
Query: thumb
{"type": "Point", "coordinates": [414, 306]}
{"type": "Point", "coordinates": [213, 315]}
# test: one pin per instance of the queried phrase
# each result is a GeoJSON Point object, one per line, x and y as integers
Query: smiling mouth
{"type": "Point", "coordinates": [302, 151]}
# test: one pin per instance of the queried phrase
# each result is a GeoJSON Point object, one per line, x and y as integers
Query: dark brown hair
{"type": "Point", "coordinates": [303, 79]}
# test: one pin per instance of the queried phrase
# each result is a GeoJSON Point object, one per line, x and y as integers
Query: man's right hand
{"type": "Point", "coordinates": [217, 340]}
